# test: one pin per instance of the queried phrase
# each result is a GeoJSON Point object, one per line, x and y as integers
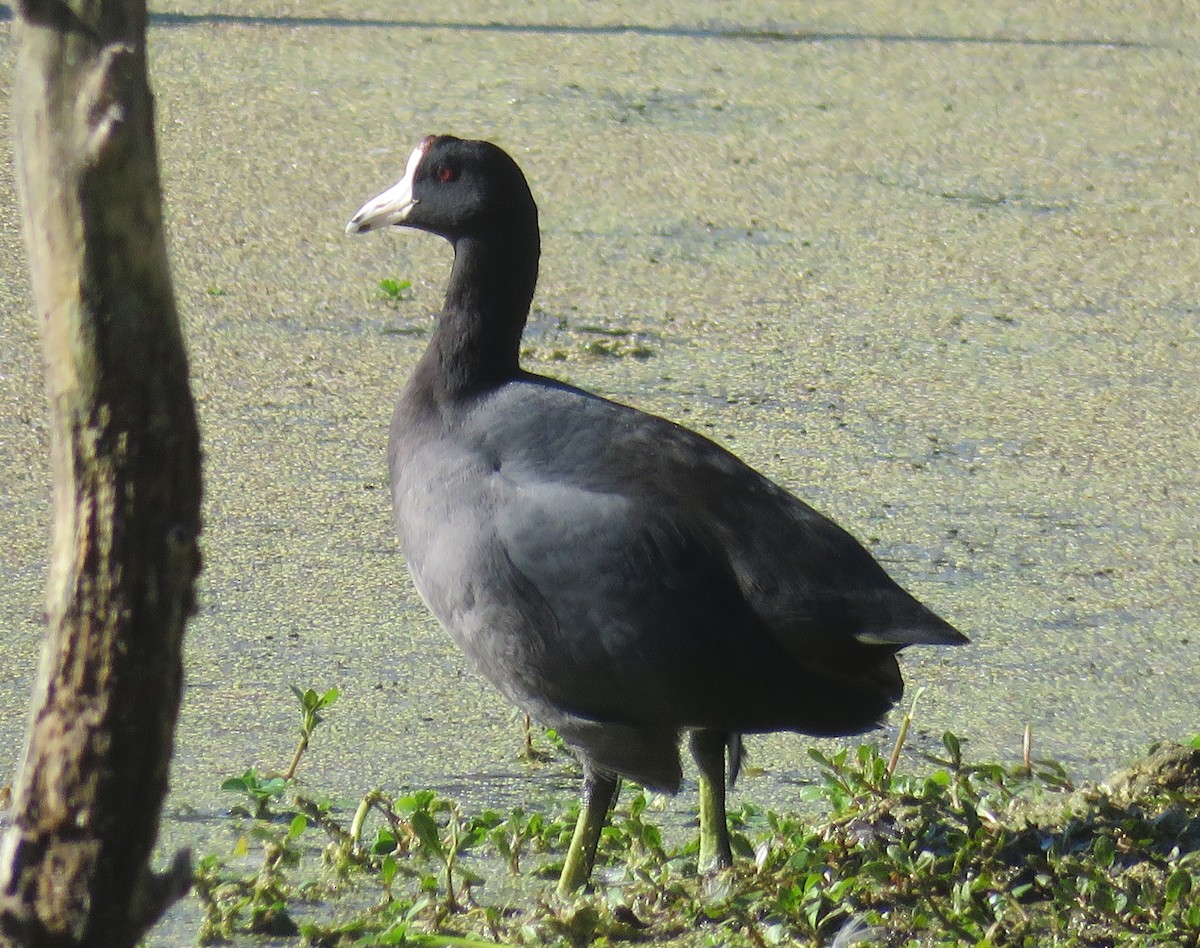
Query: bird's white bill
{"type": "Point", "coordinates": [393, 205]}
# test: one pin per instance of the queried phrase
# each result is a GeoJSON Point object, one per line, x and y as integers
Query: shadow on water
{"type": "Point", "coordinates": [678, 31]}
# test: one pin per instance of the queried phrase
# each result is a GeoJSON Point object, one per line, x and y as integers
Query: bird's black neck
{"type": "Point", "coordinates": [478, 337]}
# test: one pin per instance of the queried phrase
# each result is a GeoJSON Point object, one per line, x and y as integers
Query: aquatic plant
{"type": "Point", "coordinates": [967, 853]}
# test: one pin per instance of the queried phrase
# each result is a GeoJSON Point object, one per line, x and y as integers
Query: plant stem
{"type": "Point", "coordinates": [300, 749]}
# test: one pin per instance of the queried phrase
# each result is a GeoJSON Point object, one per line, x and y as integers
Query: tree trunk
{"type": "Point", "coordinates": [74, 866]}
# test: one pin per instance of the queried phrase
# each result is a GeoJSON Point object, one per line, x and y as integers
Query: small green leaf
{"type": "Point", "coordinates": [385, 841]}
{"type": "Point", "coordinates": [821, 759]}
{"type": "Point", "coordinates": [298, 825]}
{"type": "Point", "coordinates": [387, 870]}
{"type": "Point", "coordinates": [394, 289]}
{"type": "Point", "coordinates": [427, 831]}
{"type": "Point", "coordinates": [274, 787]}
{"type": "Point", "coordinates": [421, 800]}
{"type": "Point", "coordinates": [1179, 884]}
{"type": "Point", "coordinates": [500, 840]}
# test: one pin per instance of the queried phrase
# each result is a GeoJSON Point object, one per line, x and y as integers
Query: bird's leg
{"type": "Point", "coordinates": [708, 750]}
{"type": "Point", "coordinates": [599, 792]}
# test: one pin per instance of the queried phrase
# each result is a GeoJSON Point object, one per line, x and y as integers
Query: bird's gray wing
{"type": "Point", "coordinates": [647, 610]}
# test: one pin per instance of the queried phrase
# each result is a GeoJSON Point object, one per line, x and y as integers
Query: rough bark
{"type": "Point", "coordinates": [74, 866]}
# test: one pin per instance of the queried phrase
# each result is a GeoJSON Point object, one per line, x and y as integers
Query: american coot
{"type": "Point", "coordinates": [621, 578]}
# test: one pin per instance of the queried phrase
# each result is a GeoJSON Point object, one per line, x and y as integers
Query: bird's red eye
{"type": "Point", "coordinates": [444, 173]}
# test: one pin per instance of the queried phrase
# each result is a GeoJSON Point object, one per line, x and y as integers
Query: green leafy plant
{"type": "Point", "coordinates": [444, 841]}
{"type": "Point", "coordinates": [961, 852]}
{"type": "Point", "coordinates": [260, 791]}
{"type": "Point", "coordinates": [395, 290]}
{"type": "Point", "coordinates": [258, 901]}
{"type": "Point", "coordinates": [510, 837]}
{"type": "Point", "coordinates": [311, 704]}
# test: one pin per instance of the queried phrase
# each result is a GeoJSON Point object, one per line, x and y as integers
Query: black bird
{"type": "Point", "coordinates": [620, 578]}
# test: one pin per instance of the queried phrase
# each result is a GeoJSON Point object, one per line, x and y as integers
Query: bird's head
{"type": "Point", "coordinates": [454, 188]}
